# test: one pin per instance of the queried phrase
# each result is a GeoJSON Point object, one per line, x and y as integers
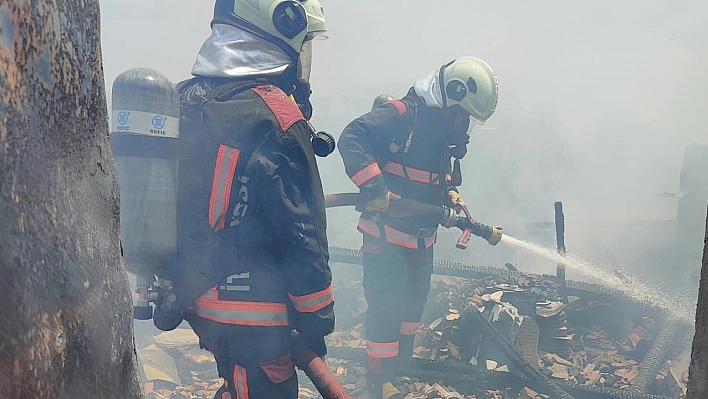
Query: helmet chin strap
{"type": "Point", "coordinates": [302, 98]}
{"type": "Point", "coordinates": [300, 91]}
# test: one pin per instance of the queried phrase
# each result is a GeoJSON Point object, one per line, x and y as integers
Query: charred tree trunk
{"type": "Point", "coordinates": [66, 323]}
{"type": "Point", "coordinates": [698, 371]}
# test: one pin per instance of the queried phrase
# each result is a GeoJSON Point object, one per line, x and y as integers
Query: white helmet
{"type": "Point", "coordinates": [470, 83]}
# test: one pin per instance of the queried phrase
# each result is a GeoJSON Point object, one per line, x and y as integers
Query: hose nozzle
{"type": "Point", "coordinates": [496, 235]}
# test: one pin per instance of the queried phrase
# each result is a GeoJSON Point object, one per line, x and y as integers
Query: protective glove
{"type": "Point", "coordinates": [455, 201]}
{"type": "Point", "coordinates": [312, 327]}
{"type": "Point", "coordinates": [316, 344]}
{"type": "Point", "coordinates": [381, 204]}
{"type": "Point", "coordinates": [496, 235]}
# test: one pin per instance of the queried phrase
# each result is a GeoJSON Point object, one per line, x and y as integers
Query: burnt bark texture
{"type": "Point", "coordinates": [698, 370]}
{"type": "Point", "coordinates": [66, 323]}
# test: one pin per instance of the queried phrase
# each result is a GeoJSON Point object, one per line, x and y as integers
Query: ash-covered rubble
{"type": "Point", "coordinates": [592, 346]}
{"type": "Point", "coordinates": [594, 341]}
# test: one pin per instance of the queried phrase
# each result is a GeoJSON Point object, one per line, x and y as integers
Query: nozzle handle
{"type": "Point", "coordinates": [464, 239]}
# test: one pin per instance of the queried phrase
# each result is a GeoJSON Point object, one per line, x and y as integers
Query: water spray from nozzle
{"type": "Point", "coordinates": [626, 283]}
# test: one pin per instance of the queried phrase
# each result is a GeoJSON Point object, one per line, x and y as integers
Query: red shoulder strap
{"type": "Point", "coordinates": [284, 109]}
{"type": "Point", "coordinates": [400, 106]}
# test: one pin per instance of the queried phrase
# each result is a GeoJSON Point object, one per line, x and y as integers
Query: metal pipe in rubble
{"type": "Point", "coordinates": [317, 371]}
{"type": "Point", "coordinates": [426, 213]}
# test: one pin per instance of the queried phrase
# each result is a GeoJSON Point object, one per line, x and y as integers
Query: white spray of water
{"type": "Point", "coordinates": [680, 308]}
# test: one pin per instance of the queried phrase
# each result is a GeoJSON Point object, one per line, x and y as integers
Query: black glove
{"type": "Point", "coordinates": [316, 344]}
{"type": "Point", "coordinates": [313, 327]}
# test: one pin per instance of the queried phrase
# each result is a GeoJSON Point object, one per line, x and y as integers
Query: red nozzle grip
{"type": "Point", "coordinates": [464, 239]}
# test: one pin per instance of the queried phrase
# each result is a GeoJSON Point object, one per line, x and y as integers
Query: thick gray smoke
{"type": "Point", "coordinates": [598, 102]}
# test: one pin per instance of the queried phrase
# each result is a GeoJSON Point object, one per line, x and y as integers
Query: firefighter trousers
{"type": "Point", "coordinates": [396, 286]}
{"type": "Point", "coordinates": [254, 362]}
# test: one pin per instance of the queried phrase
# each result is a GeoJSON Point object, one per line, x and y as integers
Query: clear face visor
{"type": "Point", "coordinates": [304, 62]}
{"type": "Point", "coordinates": [472, 125]}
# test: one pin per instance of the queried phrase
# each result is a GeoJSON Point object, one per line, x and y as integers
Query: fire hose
{"type": "Point", "coordinates": [318, 372]}
{"type": "Point", "coordinates": [427, 215]}
{"type": "Point", "coordinates": [652, 361]}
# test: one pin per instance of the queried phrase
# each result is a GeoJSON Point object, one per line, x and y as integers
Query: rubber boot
{"type": "Point", "coordinates": [385, 390]}
{"type": "Point", "coordinates": [379, 376]}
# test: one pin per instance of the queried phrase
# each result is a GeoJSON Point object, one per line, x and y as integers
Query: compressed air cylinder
{"type": "Point", "coordinates": [145, 102]}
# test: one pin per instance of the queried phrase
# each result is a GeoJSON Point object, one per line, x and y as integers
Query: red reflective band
{"type": "Point", "coordinates": [240, 382]}
{"type": "Point", "coordinates": [313, 302]}
{"type": "Point", "coordinates": [268, 314]}
{"type": "Point", "coordinates": [368, 226]}
{"type": "Point", "coordinates": [226, 161]}
{"type": "Point", "coordinates": [417, 175]}
{"type": "Point", "coordinates": [400, 238]}
{"type": "Point", "coordinates": [366, 174]}
{"type": "Point", "coordinates": [284, 109]}
{"type": "Point", "coordinates": [408, 328]}
{"type": "Point", "coordinates": [400, 106]}
{"type": "Point", "coordinates": [381, 349]}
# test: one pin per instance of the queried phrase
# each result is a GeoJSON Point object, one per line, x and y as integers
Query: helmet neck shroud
{"type": "Point", "coordinates": [251, 28]}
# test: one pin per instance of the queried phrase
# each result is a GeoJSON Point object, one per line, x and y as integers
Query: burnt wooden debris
{"type": "Point", "coordinates": [599, 345]}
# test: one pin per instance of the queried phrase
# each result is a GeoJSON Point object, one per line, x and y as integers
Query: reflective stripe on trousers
{"type": "Point", "coordinates": [240, 382]}
{"type": "Point", "coordinates": [408, 328]}
{"type": "Point", "coordinates": [381, 349]}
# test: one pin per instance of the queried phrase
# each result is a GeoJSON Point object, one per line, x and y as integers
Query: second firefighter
{"type": "Point", "coordinates": [410, 148]}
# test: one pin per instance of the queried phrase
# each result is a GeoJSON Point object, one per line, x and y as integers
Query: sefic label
{"type": "Point", "coordinates": [144, 123]}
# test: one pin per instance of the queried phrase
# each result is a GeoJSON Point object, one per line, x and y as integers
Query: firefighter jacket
{"type": "Point", "coordinates": [403, 147]}
{"type": "Point", "coordinates": [260, 192]}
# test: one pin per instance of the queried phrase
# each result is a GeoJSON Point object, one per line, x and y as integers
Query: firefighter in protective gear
{"type": "Point", "coordinates": [261, 195]}
{"type": "Point", "coordinates": [410, 147]}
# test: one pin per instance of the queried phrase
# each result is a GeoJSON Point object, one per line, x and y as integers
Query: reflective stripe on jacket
{"type": "Point", "coordinates": [394, 236]}
{"type": "Point", "coordinates": [312, 302]}
{"type": "Point", "coordinates": [266, 314]}
{"type": "Point", "coordinates": [416, 175]}
{"type": "Point", "coordinates": [410, 144]}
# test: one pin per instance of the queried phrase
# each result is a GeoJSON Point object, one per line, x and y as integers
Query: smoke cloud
{"type": "Point", "coordinates": [598, 102]}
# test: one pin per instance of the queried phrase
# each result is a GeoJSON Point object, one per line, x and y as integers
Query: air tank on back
{"type": "Point", "coordinates": [145, 102]}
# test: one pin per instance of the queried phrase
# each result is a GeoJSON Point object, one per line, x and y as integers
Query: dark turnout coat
{"type": "Point", "coordinates": [260, 192]}
{"type": "Point", "coordinates": [403, 147]}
